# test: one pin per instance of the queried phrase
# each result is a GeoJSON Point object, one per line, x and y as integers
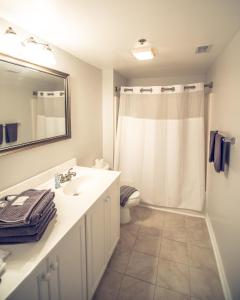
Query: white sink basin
{"type": "Point", "coordinates": [77, 186]}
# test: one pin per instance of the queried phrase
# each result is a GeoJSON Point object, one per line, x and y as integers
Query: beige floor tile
{"type": "Point", "coordinates": [173, 276]}
{"type": "Point", "coordinates": [150, 245]}
{"type": "Point", "coordinates": [120, 259]}
{"type": "Point", "coordinates": [109, 286]}
{"type": "Point", "coordinates": [131, 227]}
{"type": "Point", "coordinates": [148, 241]}
{"type": "Point", "coordinates": [164, 294]}
{"type": "Point", "coordinates": [203, 258]}
{"type": "Point", "coordinates": [146, 231]}
{"type": "Point", "coordinates": [147, 217]}
{"type": "Point", "coordinates": [177, 234]}
{"type": "Point", "coordinates": [205, 285]}
{"type": "Point", "coordinates": [134, 289]}
{"type": "Point", "coordinates": [128, 234]}
{"type": "Point", "coordinates": [142, 266]}
{"type": "Point", "coordinates": [194, 222]}
{"type": "Point", "coordinates": [199, 237]}
{"type": "Point", "coordinates": [140, 214]}
{"type": "Point", "coordinates": [174, 251]}
{"type": "Point", "coordinates": [173, 221]}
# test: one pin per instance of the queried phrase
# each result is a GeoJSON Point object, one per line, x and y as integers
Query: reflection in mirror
{"type": "Point", "coordinates": [32, 105]}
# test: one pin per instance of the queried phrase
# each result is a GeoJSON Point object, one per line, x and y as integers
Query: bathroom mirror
{"type": "Point", "coordinates": [34, 105]}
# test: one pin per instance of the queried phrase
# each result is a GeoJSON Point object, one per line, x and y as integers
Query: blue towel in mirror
{"type": "Point", "coordinates": [1, 134]}
{"type": "Point", "coordinates": [11, 132]}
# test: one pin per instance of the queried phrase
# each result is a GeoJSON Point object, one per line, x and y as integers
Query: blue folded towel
{"type": "Point", "coordinates": [1, 134]}
{"type": "Point", "coordinates": [125, 193]}
{"type": "Point", "coordinates": [11, 132]}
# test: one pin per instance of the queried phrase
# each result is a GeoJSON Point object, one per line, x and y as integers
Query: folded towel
{"type": "Point", "coordinates": [27, 229]}
{"type": "Point", "coordinates": [125, 193]}
{"type": "Point", "coordinates": [11, 132]}
{"type": "Point", "coordinates": [21, 209]}
{"type": "Point", "coordinates": [1, 134]}
{"type": "Point", "coordinates": [212, 145]}
{"type": "Point", "coordinates": [29, 238]}
{"type": "Point", "coordinates": [218, 152]}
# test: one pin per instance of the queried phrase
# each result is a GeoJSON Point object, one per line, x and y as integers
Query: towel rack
{"type": "Point", "coordinates": [229, 140]}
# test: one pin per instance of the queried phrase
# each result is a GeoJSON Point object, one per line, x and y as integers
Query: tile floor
{"type": "Point", "coordinates": [161, 256]}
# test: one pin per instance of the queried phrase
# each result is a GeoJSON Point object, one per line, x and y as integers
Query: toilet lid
{"type": "Point", "coordinates": [134, 195]}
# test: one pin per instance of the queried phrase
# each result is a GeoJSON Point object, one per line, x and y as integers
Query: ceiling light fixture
{"type": "Point", "coordinates": [143, 51]}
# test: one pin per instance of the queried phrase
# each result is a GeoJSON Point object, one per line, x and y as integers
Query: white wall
{"type": "Point", "coordinates": [223, 192]}
{"type": "Point", "coordinates": [172, 80]}
{"type": "Point", "coordinates": [111, 79]}
{"type": "Point", "coordinates": [86, 118]}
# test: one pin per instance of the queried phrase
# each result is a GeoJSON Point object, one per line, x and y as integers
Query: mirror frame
{"type": "Point", "coordinates": [65, 76]}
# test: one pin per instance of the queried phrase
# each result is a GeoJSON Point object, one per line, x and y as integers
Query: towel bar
{"type": "Point", "coordinates": [229, 140]}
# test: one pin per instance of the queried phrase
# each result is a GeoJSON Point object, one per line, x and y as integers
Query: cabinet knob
{"type": "Point", "coordinates": [54, 266]}
{"type": "Point", "coordinates": [46, 276]}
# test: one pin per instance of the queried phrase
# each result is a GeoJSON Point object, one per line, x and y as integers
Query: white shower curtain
{"type": "Point", "coordinates": [160, 145]}
{"type": "Point", "coordinates": [48, 114]}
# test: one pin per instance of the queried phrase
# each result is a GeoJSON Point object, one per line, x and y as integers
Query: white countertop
{"type": "Point", "coordinates": [25, 257]}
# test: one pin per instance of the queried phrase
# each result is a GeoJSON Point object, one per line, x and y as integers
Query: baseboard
{"type": "Point", "coordinates": [221, 271]}
{"type": "Point", "coordinates": [173, 210]}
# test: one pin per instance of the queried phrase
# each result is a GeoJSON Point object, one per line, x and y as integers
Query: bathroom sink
{"type": "Point", "coordinates": [77, 186]}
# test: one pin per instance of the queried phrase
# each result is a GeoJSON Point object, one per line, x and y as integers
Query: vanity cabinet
{"type": "Point", "coordinates": [62, 274]}
{"type": "Point", "coordinates": [69, 261]}
{"type": "Point", "coordinates": [102, 235]}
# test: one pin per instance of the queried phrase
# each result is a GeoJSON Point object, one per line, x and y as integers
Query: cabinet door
{"type": "Point", "coordinates": [67, 264]}
{"type": "Point", "coordinates": [112, 220]}
{"type": "Point", "coordinates": [114, 193]}
{"type": "Point", "coordinates": [35, 286]}
{"type": "Point", "coordinates": [95, 245]}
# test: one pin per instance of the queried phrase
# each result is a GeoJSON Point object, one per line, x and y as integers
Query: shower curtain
{"type": "Point", "coordinates": [48, 114]}
{"type": "Point", "coordinates": [160, 144]}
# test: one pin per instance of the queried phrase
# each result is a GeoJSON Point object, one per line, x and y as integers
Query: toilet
{"type": "Point", "coordinates": [133, 200]}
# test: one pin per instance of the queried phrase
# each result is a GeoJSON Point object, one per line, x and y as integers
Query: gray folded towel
{"type": "Point", "coordinates": [27, 229]}
{"type": "Point", "coordinates": [218, 152]}
{"type": "Point", "coordinates": [212, 145]}
{"type": "Point", "coordinates": [28, 211]}
{"type": "Point", "coordinates": [125, 193]}
{"type": "Point", "coordinates": [11, 132]}
{"type": "Point", "coordinates": [29, 238]}
{"type": "Point", "coordinates": [1, 134]}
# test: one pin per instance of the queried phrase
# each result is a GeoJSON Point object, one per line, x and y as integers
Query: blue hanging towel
{"type": "Point", "coordinates": [11, 132]}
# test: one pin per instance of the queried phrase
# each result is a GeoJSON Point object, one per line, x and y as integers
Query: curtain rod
{"type": "Point", "coordinates": [186, 87]}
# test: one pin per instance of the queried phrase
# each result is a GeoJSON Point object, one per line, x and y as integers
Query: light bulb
{"type": "Point", "coordinates": [10, 43]}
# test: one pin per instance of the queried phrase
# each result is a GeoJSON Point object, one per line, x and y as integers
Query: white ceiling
{"type": "Point", "coordinates": [102, 32]}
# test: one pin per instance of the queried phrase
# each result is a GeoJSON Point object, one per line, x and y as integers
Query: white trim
{"type": "Point", "coordinates": [175, 211]}
{"type": "Point", "coordinates": [221, 270]}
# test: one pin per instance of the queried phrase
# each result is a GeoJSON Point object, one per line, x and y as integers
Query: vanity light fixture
{"type": "Point", "coordinates": [10, 43]}
{"type": "Point", "coordinates": [37, 52]}
{"type": "Point", "coordinates": [29, 50]}
{"type": "Point", "coordinates": [143, 51]}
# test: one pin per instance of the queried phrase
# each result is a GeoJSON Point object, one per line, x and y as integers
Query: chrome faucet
{"type": "Point", "coordinates": [67, 177]}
